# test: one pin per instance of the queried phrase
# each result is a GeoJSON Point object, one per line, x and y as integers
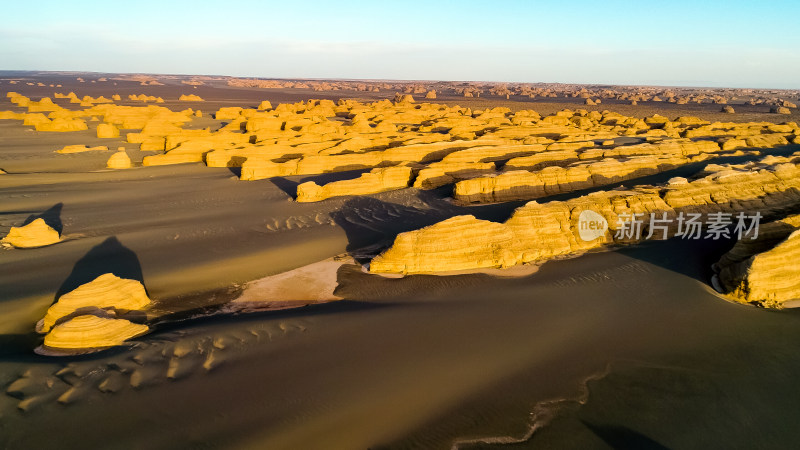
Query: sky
{"type": "Point", "coordinates": [676, 43]}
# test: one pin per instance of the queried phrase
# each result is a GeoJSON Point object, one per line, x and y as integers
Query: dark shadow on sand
{"type": "Point", "coordinates": [694, 257]}
{"type": "Point", "coordinates": [620, 437]}
{"type": "Point", "coordinates": [289, 184]}
{"type": "Point", "coordinates": [330, 177]}
{"type": "Point", "coordinates": [286, 185]}
{"type": "Point", "coordinates": [370, 222]}
{"type": "Point", "coordinates": [52, 217]}
{"type": "Point", "coordinates": [690, 257]}
{"type": "Point", "coordinates": [110, 256]}
{"type": "Point", "coordinates": [192, 319]}
{"type": "Point", "coordinates": [17, 347]}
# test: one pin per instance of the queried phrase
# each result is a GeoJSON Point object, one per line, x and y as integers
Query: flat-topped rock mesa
{"type": "Point", "coordinates": [106, 292]}
{"type": "Point", "coordinates": [255, 169]}
{"type": "Point", "coordinates": [539, 232]}
{"type": "Point", "coordinates": [89, 332]}
{"type": "Point", "coordinates": [374, 181]}
{"type": "Point", "coordinates": [82, 148]}
{"type": "Point", "coordinates": [192, 145]}
{"type": "Point", "coordinates": [762, 271]}
{"type": "Point", "coordinates": [137, 117]}
{"type": "Point", "coordinates": [35, 234]}
{"type": "Point", "coordinates": [492, 153]}
{"type": "Point", "coordinates": [441, 173]}
{"type": "Point", "coordinates": [190, 98]}
{"type": "Point", "coordinates": [525, 185]}
{"type": "Point", "coordinates": [683, 148]}
{"type": "Point", "coordinates": [115, 117]}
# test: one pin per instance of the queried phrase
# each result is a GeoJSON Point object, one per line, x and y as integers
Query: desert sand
{"type": "Point", "coordinates": [404, 256]}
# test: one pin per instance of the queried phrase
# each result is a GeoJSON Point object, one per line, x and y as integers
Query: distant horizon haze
{"type": "Point", "coordinates": [717, 44]}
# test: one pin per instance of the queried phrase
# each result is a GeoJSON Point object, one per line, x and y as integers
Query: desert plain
{"type": "Point", "coordinates": [219, 262]}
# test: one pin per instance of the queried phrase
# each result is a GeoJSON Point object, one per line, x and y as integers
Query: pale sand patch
{"type": "Point", "coordinates": [522, 270]}
{"type": "Point", "coordinates": [313, 283]}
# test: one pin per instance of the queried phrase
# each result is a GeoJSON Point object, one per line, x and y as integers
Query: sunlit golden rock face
{"type": "Point", "coordinates": [763, 271]}
{"type": "Point", "coordinates": [190, 98]}
{"type": "Point", "coordinates": [442, 173]}
{"type": "Point", "coordinates": [258, 168]}
{"type": "Point", "coordinates": [105, 130]}
{"type": "Point", "coordinates": [106, 292]}
{"type": "Point", "coordinates": [376, 180]}
{"type": "Point", "coordinates": [82, 148]}
{"type": "Point", "coordinates": [62, 125]}
{"type": "Point", "coordinates": [461, 242]}
{"type": "Point", "coordinates": [145, 98]}
{"type": "Point", "coordinates": [524, 185]}
{"type": "Point", "coordinates": [543, 231]}
{"type": "Point", "coordinates": [119, 160]}
{"type": "Point", "coordinates": [35, 234]}
{"type": "Point", "coordinates": [92, 332]}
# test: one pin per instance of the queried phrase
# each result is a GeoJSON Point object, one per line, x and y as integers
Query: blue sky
{"type": "Point", "coordinates": [695, 43]}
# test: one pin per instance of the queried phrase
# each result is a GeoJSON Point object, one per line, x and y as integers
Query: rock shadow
{"type": "Point", "coordinates": [289, 184]}
{"type": "Point", "coordinates": [52, 217]}
{"type": "Point", "coordinates": [694, 257]}
{"type": "Point", "coordinates": [369, 222]}
{"type": "Point", "coordinates": [620, 437]}
{"type": "Point", "coordinates": [110, 256]}
{"type": "Point", "coordinates": [286, 185]}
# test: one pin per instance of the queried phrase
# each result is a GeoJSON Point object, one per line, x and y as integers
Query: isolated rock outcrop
{"type": "Point", "coordinates": [190, 98]}
{"type": "Point", "coordinates": [82, 148]}
{"type": "Point", "coordinates": [119, 160]}
{"type": "Point", "coordinates": [106, 292]}
{"type": "Point", "coordinates": [35, 234]}
{"type": "Point", "coordinates": [376, 180]}
{"type": "Point", "coordinates": [92, 332]}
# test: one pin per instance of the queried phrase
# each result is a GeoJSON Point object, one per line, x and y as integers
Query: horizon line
{"type": "Point", "coordinates": [408, 80]}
